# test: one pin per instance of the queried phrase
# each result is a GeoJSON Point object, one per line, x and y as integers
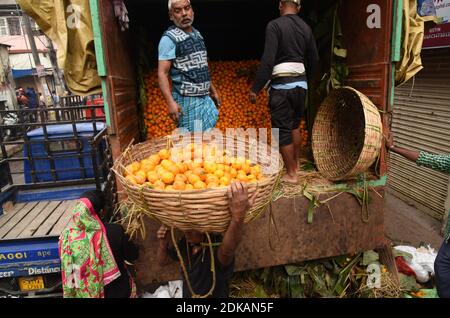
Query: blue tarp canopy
{"type": "Point", "coordinates": [23, 73]}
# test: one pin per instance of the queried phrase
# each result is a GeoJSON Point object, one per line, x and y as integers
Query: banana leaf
{"type": "Point", "coordinates": [313, 204]}
{"type": "Point", "coordinates": [344, 275]}
{"type": "Point", "coordinates": [369, 257]}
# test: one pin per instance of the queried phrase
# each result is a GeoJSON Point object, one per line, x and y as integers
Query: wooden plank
{"type": "Point", "coordinates": [61, 224]}
{"type": "Point", "coordinates": [50, 222]}
{"type": "Point", "coordinates": [7, 216]}
{"type": "Point", "coordinates": [34, 225]}
{"type": "Point", "coordinates": [20, 226]}
{"type": "Point", "coordinates": [18, 216]}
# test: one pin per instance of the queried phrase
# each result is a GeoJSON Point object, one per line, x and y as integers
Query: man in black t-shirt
{"type": "Point", "coordinates": [290, 57]}
{"type": "Point", "coordinates": [195, 250]}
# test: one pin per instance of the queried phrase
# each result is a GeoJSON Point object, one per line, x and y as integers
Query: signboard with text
{"type": "Point", "coordinates": [438, 35]}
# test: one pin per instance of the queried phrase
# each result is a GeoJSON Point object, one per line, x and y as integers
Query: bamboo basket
{"type": "Point", "coordinates": [201, 210]}
{"type": "Point", "coordinates": [347, 134]}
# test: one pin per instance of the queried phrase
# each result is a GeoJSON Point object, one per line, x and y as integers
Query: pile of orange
{"type": "Point", "coordinates": [304, 133]}
{"type": "Point", "coordinates": [232, 80]}
{"type": "Point", "coordinates": [156, 117]}
{"type": "Point", "coordinates": [192, 168]}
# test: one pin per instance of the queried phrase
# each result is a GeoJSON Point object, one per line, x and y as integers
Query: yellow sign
{"type": "Point", "coordinates": [31, 283]}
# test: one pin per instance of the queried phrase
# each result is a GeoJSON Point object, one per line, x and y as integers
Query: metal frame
{"type": "Point", "coordinates": [73, 112]}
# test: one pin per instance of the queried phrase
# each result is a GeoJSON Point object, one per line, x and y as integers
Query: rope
{"type": "Point", "coordinates": [183, 267]}
{"type": "Point", "coordinates": [272, 221]}
{"type": "Point", "coordinates": [365, 201]}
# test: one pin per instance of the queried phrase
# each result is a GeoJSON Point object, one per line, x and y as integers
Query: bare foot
{"type": "Point", "coordinates": [290, 178]}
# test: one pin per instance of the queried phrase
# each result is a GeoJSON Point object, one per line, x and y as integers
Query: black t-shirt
{"type": "Point", "coordinates": [123, 250]}
{"type": "Point", "coordinates": [288, 39]}
{"type": "Point", "coordinates": [198, 267]}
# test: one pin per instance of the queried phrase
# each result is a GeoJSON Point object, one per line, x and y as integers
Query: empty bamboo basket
{"type": "Point", "coordinates": [347, 134]}
{"type": "Point", "coordinates": [201, 210]}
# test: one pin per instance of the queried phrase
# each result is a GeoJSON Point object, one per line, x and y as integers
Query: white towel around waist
{"type": "Point", "coordinates": [288, 69]}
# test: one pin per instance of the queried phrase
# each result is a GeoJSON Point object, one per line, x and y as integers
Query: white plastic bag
{"type": "Point", "coordinates": [173, 289]}
{"type": "Point", "coordinates": [422, 261]}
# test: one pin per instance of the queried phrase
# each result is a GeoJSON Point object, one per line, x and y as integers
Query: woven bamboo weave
{"type": "Point", "coordinates": [201, 210]}
{"type": "Point", "coordinates": [347, 134]}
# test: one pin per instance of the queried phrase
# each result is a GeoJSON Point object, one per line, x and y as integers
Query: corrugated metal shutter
{"type": "Point", "coordinates": [422, 122]}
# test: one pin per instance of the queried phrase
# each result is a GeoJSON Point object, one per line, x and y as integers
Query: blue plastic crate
{"type": "Point", "coordinates": [62, 145]}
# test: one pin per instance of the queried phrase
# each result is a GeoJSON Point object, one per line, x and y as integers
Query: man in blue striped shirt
{"type": "Point", "coordinates": [183, 59]}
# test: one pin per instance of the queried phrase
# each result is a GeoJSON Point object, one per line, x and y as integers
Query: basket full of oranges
{"type": "Point", "coordinates": [183, 183]}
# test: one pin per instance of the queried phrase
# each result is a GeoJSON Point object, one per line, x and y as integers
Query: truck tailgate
{"type": "Point", "coordinates": [35, 219]}
{"type": "Point", "coordinates": [29, 238]}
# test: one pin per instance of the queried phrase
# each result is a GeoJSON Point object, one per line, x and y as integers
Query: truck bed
{"type": "Point", "coordinates": [35, 219]}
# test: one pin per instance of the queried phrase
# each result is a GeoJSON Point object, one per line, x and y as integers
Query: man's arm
{"type": "Point", "coordinates": [215, 95]}
{"type": "Point", "coordinates": [421, 158]}
{"type": "Point", "coordinates": [162, 256]}
{"type": "Point", "coordinates": [239, 204]}
{"type": "Point", "coordinates": [164, 84]}
{"type": "Point", "coordinates": [408, 154]}
{"type": "Point", "coordinates": [265, 69]}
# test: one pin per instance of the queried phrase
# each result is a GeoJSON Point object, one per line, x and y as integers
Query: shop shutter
{"type": "Point", "coordinates": [421, 121]}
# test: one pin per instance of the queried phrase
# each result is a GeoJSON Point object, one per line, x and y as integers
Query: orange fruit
{"type": "Point", "coordinates": [212, 185]}
{"type": "Point", "coordinates": [200, 172]}
{"type": "Point", "coordinates": [193, 178]}
{"type": "Point", "coordinates": [219, 173]}
{"type": "Point", "coordinates": [169, 188]}
{"type": "Point", "coordinates": [160, 171]}
{"type": "Point", "coordinates": [141, 173]}
{"type": "Point", "coordinates": [246, 168]}
{"type": "Point", "coordinates": [181, 167]}
{"type": "Point", "coordinates": [164, 154]}
{"type": "Point", "coordinates": [154, 159]}
{"type": "Point", "coordinates": [242, 177]}
{"type": "Point", "coordinates": [129, 170]}
{"type": "Point", "coordinates": [212, 178]}
{"type": "Point", "coordinates": [167, 177]}
{"type": "Point", "coordinates": [146, 167]}
{"type": "Point", "coordinates": [200, 185]}
{"type": "Point", "coordinates": [179, 185]}
{"type": "Point", "coordinates": [166, 164]}
{"type": "Point", "coordinates": [189, 187]}
{"type": "Point", "coordinates": [159, 185]}
{"type": "Point", "coordinates": [140, 179]}
{"type": "Point", "coordinates": [131, 179]}
{"type": "Point", "coordinates": [181, 177]}
{"type": "Point", "coordinates": [210, 167]}
{"type": "Point", "coordinates": [190, 164]}
{"type": "Point", "coordinates": [135, 166]}
{"type": "Point", "coordinates": [225, 181]}
{"type": "Point", "coordinates": [174, 169]}
{"type": "Point", "coordinates": [255, 170]}
{"type": "Point", "coordinates": [152, 176]}
{"type": "Point", "coordinates": [238, 163]}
